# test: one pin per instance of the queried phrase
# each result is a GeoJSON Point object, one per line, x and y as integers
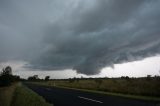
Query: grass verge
{"type": "Point", "coordinates": [6, 94]}
{"type": "Point", "coordinates": [23, 96]}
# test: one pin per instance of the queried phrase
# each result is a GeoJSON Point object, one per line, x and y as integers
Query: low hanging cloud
{"type": "Point", "coordinates": [81, 35]}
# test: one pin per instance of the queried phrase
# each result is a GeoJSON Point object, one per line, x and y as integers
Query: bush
{"type": "Point", "coordinates": [5, 80]}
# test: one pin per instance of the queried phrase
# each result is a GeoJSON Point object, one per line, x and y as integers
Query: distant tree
{"type": "Point", "coordinates": [148, 77]}
{"type": "Point", "coordinates": [125, 77]}
{"type": "Point", "coordinates": [157, 77]}
{"type": "Point", "coordinates": [47, 78]}
{"type": "Point", "coordinates": [36, 76]}
{"type": "Point", "coordinates": [7, 71]}
{"type": "Point", "coordinates": [33, 78]}
{"type": "Point", "coordinates": [30, 78]}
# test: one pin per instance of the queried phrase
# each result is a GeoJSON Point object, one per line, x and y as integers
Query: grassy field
{"type": "Point", "coordinates": [19, 95]}
{"type": "Point", "coordinates": [147, 87]}
{"type": "Point", "coordinates": [132, 86]}
{"type": "Point", "coordinates": [6, 94]}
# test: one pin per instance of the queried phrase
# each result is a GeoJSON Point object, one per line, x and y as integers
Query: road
{"type": "Point", "coordinates": [68, 97]}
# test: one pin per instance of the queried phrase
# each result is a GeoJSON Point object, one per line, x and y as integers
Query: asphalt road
{"type": "Point", "coordinates": [67, 97]}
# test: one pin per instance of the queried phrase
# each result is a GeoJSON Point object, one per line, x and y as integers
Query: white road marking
{"type": "Point", "coordinates": [90, 99]}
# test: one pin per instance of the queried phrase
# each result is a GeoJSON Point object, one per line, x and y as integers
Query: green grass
{"type": "Point", "coordinates": [23, 96]}
{"type": "Point", "coordinates": [6, 94]}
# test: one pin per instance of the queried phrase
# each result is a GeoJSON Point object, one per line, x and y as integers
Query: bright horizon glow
{"type": "Point", "coordinates": [142, 68]}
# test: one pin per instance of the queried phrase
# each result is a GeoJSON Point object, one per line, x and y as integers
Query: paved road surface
{"type": "Point", "coordinates": [67, 97]}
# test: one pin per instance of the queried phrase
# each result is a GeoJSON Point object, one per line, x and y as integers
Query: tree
{"type": "Point", "coordinates": [148, 77]}
{"type": "Point", "coordinates": [47, 78]}
{"type": "Point", "coordinates": [6, 77]}
{"type": "Point", "coordinates": [33, 78]}
{"type": "Point", "coordinates": [125, 77]}
{"type": "Point", "coordinates": [7, 71]}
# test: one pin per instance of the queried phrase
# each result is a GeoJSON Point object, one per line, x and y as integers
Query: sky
{"type": "Point", "coordinates": [74, 38]}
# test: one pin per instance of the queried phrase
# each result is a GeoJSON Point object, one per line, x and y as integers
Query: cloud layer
{"type": "Point", "coordinates": [81, 35]}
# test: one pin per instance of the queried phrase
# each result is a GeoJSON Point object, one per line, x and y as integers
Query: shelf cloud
{"type": "Point", "coordinates": [76, 34]}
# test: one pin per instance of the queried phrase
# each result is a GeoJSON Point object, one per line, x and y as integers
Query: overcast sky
{"type": "Point", "coordinates": [80, 37]}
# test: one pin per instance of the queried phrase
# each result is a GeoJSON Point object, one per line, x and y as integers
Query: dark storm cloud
{"type": "Point", "coordinates": [81, 35]}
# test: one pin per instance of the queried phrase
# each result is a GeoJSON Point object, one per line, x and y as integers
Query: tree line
{"type": "Point", "coordinates": [36, 78]}
{"type": "Point", "coordinates": [6, 77]}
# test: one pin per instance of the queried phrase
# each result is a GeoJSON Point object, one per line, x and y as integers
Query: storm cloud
{"type": "Point", "coordinates": [84, 35]}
